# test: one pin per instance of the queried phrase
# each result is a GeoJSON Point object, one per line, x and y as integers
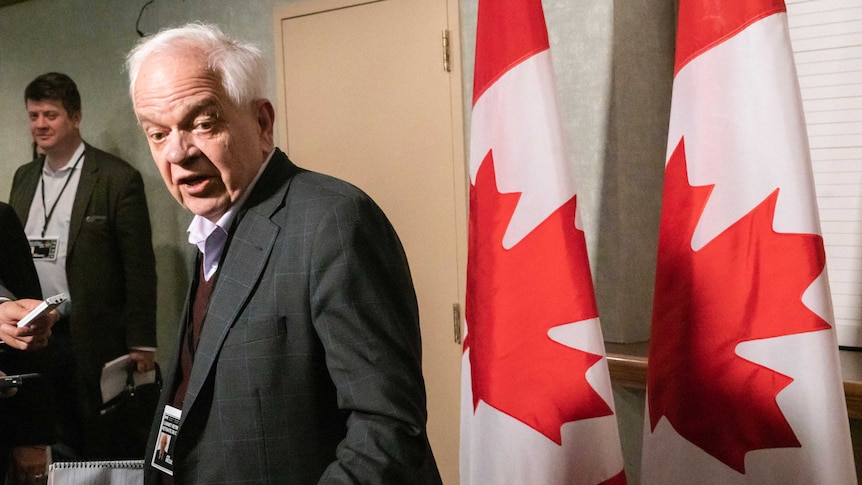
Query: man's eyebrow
{"type": "Point", "coordinates": [208, 106]}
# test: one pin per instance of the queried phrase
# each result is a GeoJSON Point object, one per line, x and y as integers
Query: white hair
{"type": "Point", "coordinates": [238, 64]}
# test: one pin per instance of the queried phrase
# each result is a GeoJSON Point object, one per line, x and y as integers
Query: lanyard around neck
{"type": "Point", "coordinates": [50, 213]}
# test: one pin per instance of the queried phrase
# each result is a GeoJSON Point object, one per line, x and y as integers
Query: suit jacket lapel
{"type": "Point", "coordinates": [22, 199]}
{"type": "Point", "coordinates": [89, 173]}
{"type": "Point", "coordinates": [245, 258]}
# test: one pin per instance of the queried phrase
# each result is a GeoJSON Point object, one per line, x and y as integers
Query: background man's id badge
{"type": "Point", "coordinates": [44, 249]}
{"type": "Point", "coordinates": [163, 456]}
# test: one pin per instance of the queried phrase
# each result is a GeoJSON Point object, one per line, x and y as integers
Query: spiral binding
{"type": "Point", "coordinates": [99, 464]}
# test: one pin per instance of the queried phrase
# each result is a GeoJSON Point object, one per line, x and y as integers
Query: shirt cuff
{"type": "Point", "coordinates": [144, 349]}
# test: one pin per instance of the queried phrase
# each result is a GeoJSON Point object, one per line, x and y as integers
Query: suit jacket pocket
{"type": "Point", "coordinates": [253, 330]}
{"type": "Point", "coordinates": [95, 229]}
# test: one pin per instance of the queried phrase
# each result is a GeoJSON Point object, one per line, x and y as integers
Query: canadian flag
{"type": "Point", "coordinates": [537, 406]}
{"type": "Point", "coordinates": [744, 382]}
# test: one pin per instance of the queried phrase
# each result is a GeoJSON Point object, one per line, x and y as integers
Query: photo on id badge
{"type": "Point", "coordinates": [44, 249]}
{"type": "Point", "coordinates": [163, 455]}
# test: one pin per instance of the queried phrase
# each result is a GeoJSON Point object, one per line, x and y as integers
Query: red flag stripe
{"type": "Point", "coordinates": [507, 32]}
{"type": "Point", "coordinates": [703, 24]}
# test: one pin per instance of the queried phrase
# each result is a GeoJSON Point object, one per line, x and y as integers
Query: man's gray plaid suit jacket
{"type": "Point", "coordinates": [308, 368]}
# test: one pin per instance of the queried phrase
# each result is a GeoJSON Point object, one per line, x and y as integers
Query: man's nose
{"type": "Point", "coordinates": [180, 148]}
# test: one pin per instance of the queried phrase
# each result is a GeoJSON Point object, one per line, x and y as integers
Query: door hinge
{"type": "Point", "coordinates": [446, 66]}
{"type": "Point", "coordinates": [456, 321]}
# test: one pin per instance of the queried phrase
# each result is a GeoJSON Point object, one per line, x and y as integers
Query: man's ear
{"type": "Point", "coordinates": [266, 121]}
{"type": "Point", "coordinates": [76, 119]}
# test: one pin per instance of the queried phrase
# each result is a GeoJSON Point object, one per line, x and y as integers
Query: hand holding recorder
{"type": "Point", "coordinates": [26, 324]}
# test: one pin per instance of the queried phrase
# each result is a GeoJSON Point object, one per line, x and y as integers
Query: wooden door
{"type": "Point", "coordinates": [366, 97]}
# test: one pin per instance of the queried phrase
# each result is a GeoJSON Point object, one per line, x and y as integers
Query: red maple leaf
{"type": "Point", "coordinates": [745, 284]}
{"type": "Point", "coordinates": [514, 297]}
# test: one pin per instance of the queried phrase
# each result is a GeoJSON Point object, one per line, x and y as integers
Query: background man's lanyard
{"type": "Point", "coordinates": [48, 213]}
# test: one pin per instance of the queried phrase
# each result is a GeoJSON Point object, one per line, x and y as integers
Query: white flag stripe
{"type": "Point", "coordinates": [738, 140]}
{"type": "Point", "coordinates": [517, 118]}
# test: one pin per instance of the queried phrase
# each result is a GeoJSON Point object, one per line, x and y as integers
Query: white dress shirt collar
{"type": "Point", "coordinates": [211, 237]}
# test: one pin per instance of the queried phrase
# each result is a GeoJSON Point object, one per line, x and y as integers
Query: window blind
{"type": "Point", "coordinates": [826, 36]}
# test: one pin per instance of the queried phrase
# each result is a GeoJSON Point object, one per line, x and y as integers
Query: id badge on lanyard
{"type": "Point", "coordinates": [44, 249]}
{"type": "Point", "coordinates": [163, 455]}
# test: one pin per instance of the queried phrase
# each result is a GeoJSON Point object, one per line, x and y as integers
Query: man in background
{"type": "Point", "coordinates": [86, 218]}
{"type": "Point", "coordinates": [299, 357]}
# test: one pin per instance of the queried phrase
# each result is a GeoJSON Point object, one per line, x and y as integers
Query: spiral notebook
{"type": "Point", "coordinates": [117, 472]}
